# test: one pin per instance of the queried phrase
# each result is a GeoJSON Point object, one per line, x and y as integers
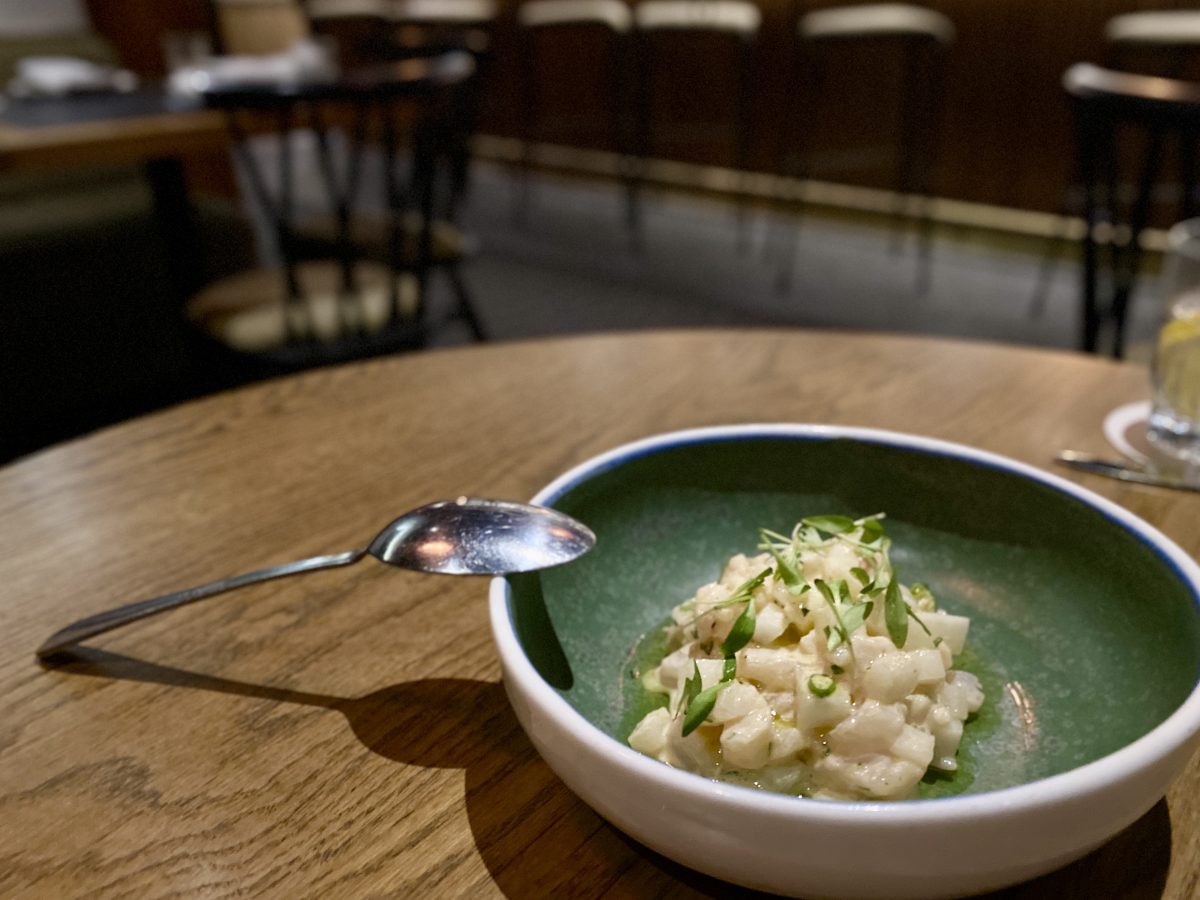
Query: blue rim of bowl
{"type": "Point", "coordinates": [1173, 733]}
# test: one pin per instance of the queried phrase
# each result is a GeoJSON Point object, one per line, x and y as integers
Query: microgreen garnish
{"type": "Point", "coordinates": [853, 618]}
{"type": "Point", "coordinates": [691, 687]}
{"type": "Point", "coordinates": [826, 591]}
{"type": "Point", "coordinates": [895, 613]}
{"type": "Point", "coordinates": [730, 669]}
{"type": "Point", "coordinates": [848, 619]}
{"type": "Point", "coordinates": [699, 707]}
{"type": "Point", "coordinates": [821, 685]}
{"type": "Point", "coordinates": [917, 619]}
{"type": "Point", "coordinates": [872, 531]}
{"type": "Point", "coordinates": [745, 590]}
{"type": "Point", "coordinates": [785, 571]}
{"type": "Point", "coordinates": [830, 524]}
{"type": "Point", "coordinates": [864, 577]}
{"type": "Point", "coordinates": [697, 703]}
{"type": "Point", "coordinates": [742, 630]}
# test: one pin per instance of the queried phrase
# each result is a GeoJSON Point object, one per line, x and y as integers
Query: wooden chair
{"type": "Point", "coordinates": [659, 23]}
{"type": "Point", "coordinates": [333, 295]}
{"type": "Point", "coordinates": [922, 37]}
{"type": "Point", "coordinates": [372, 31]}
{"type": "Point", "coordinates": [1112, 108]}
{"type": "Point", "coordinates": [553, 34]}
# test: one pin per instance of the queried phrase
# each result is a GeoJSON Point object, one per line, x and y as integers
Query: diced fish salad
{"type": "Point", "coordinates": [809, 669]}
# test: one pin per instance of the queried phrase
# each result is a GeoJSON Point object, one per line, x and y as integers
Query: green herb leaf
{"type": "Point", "coordinates": [746, 589]}
{"type": "Point", "coordinates": [853, 618]}
{"type": "Point", "coordinates": [862, 575]}
{"type": "Point", "coordinates": [895, 613]}
{"type": "Point", "coordinates": [691, 687]}
{"type": "Point", "coordinates": [742, 630]}
{"type": "Point", "coordinates": [826, 592]}
{"type": "Point", "coordinates": [839, 634]}
{"type": "Point", "coordinates": [786, 571]}
{"type": "Point", "coordinates": [770, 536]}
{"type": "Point", "coordinates": [821, 685]}
{"type": "Point", "coordinates": [700, 706]}
{"type": "Point", "coordinates": [917, 619]}
{"type": "Point", "coordinates": [872, 531]}
{"type": "Point", "coordinates": [730, 671]}
{"type": "Point", "coordinates": [830, 524]}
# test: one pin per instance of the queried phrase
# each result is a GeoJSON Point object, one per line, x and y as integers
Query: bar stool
{"type": "Point", "coordinates": [555, 36]}
{"type": "Point", "coordinates": [1108, 106]}
{"type": "Point", "coordinates": [1164, 43]}
{"type": "Point", "coordinates": [923, 36]}
{"type": "Point", "coordinates": [655, 23]}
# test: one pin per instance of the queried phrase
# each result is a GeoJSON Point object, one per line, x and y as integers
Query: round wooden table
{"type": "Point", "coordinates": [345, 733]}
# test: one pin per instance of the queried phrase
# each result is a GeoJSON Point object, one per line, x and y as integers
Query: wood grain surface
{"type": "Point", "coordinates": [345, 733]}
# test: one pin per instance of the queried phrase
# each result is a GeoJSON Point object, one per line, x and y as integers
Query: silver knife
{"type": "Point", "coordinates": [1085, 462]}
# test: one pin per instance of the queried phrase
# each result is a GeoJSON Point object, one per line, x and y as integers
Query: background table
{"type": "Point", "coordinates": [148, 127]}
{"type": "Point", "coordinates": [345, 733]}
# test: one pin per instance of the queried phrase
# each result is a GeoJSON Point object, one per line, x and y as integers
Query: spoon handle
{"type": "Point", "coordinates": [131, 612]}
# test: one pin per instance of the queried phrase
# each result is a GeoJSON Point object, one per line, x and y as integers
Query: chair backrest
{"type": "Point", "coordinates": [611, 14]}
{"type": "Point", "coordinates": [1163, 43]}
{"type": "Point", "coordinates": [449, 12]}
{"type": "Point", "coordinates": [1159, 27]}
{"type": "Point", "coordinates": [345, 123]}
{"type": "Point", "coordinates": [729, 16]}
{"type": "Point", "coordinates": [1122, 96]}
{"type": "Point", "coordinates": [258, 27]}
{"type": "Point", "coordinates": [876, 20]}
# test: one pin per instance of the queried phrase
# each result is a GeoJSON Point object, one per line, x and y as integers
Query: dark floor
{"type": "Point", "coordinates": [571, 268]}
{"type": "Point", "coordinates": [92, 342]}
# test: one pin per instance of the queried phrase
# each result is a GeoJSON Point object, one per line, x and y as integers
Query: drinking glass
{"type": "Point", "coordinates": [185, 54]}
{"type": "Point", "coordinates": [1174, 427]}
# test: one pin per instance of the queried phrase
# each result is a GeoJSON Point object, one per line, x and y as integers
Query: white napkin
{"type": "Point", "coordinates": [56, 76]}
{"type": "Point", "coordinates": [304, 61]}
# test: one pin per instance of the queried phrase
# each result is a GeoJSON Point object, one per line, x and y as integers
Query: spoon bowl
{"type": "Point", "coordinates": [467, 536]}
{"type": "Point", "coordinates": [481, 537]}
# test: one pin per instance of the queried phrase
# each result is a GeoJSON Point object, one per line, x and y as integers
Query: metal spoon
{"type": "Point", "coordinates": [467, 536]}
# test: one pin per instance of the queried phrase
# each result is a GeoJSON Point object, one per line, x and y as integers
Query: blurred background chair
{"type": "Point", "coordinates": [709, 45]}
{"type": "Point", "coordinates": [1126, 124]}
{"type": "Point", "coordinates": [834, 46]}
{"type": "Point", "coordinates": [1155, 42]}
{"type": "Point", "coordinates": [371, 31]}
{"type": "Point", "coordinates": [256, 27]}
{"type": "Point", "coordinates": [338, 288]}
{"type": "Point", "coordinates": [573, 82]}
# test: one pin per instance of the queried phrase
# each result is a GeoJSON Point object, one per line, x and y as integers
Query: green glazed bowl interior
{"type": "Point", "coordinates": [1085, 635]}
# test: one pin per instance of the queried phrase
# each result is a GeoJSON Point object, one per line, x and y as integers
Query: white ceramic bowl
{"type": "Point", "coordinates": [915, 849]}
